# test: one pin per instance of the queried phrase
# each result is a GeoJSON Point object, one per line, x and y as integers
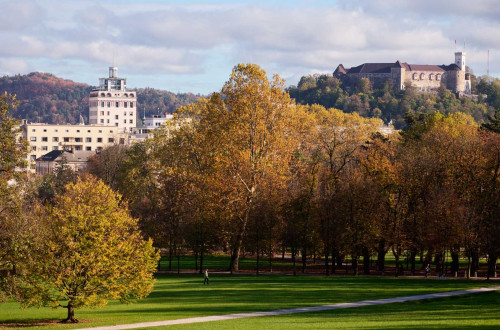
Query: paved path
{"type": "Point", "coordinates": [294, 310]}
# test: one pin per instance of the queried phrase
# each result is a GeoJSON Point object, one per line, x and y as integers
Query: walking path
{"type": "Point", "coordinates": [294, 310]}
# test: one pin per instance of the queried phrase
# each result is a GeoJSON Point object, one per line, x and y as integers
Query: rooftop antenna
{"type": "Point", "coordinates": [488, 66]}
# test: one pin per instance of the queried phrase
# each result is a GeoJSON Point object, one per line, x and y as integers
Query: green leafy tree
{"type": "Point", "coordinates": [93, 251]}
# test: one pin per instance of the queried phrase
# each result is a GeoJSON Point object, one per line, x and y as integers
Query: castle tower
{"type": "Point", "coordinates": [112, 104]}
{"type": "Point", "coordinates": [460, 60]}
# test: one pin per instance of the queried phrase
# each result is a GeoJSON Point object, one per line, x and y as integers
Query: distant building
{"type": "Point", "coordinates": [91, 138]}
{"type": "Point", "coordinates": [76, 160]}
{"type": "Point", "coordinates": [426, 78]}
{"type": "Point", "coordinates": [112, 104]}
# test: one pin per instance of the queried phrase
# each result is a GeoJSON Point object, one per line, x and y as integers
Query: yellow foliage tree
{"type": "Point", "coordinates": [93, 251]}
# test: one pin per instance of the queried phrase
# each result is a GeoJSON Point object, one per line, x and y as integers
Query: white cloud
{"type": "Point", "coordinates": [152, 38]}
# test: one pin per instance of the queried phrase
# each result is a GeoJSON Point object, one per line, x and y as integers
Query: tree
{"type": "Point", "coordinates": [12, 187]}
{"type": "Point", "coordinates": [92, 252]}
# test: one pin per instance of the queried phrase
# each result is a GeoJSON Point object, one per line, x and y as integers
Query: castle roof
{"type": "Point", "coordinates": [386, 68]}
{"type": "Point", "coordinates": [425, 67]}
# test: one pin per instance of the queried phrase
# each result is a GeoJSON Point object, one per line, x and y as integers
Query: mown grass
{"type": "Point", "coordinates": [185, 296]}
{"type": "Point", "coordinates": [479, 311]}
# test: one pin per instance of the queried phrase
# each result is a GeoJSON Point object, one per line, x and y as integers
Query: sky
{"type": "Point", "coordinates": [192, 46]}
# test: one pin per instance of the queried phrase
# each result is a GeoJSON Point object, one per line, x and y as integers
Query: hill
{"type": "Point", "coordinates": [44, 97]}
{"type": "Point", "coordinates": [391, 104]}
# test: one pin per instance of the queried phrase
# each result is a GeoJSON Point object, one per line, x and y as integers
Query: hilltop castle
{"type": "Point", "coordinates": [426, 78]}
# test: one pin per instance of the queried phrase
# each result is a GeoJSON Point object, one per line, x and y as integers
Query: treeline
{"type": "Point", "coordinates": [248, 170]}
{"type": "Point", "coordinates": [391, 104]}
{"type": "Point", "coordinates": [44, 97]}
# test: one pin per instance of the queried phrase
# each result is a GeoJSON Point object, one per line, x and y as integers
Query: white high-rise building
{"type": "Point", "coordinates": [112, 104]}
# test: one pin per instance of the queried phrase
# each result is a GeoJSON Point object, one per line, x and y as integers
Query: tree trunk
{"type": "Point", "coordinates": [492, 264]}
{"type": "Point", "coordinates": [201, 259]}
{"type": "Point", "coordinates": [475, 261]}
{"type": "Point", "coordinates": [355, 264]}
{"type": "Point", "coordinates": [258, 260]}
{"type": "Point", "coordinates": [413, 256]}
{"type": "Point", "coordinates": [381, 252]}
{"type": "Point", "coordinates": [366, 261]}
{"type": "Point", "coordinates": [327, 269]}
{"type": "Point", "coordinates": [454, 261]}
{"type": "Point", "coordinates": [304, 260]}
{"type": "Point", "coordinates": [71, 315]}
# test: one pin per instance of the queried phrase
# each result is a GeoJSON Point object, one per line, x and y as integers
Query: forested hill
{"type": "Point", "coordinates": [46, 98]}
{"type": "Point", "coordinates": [391, 104]}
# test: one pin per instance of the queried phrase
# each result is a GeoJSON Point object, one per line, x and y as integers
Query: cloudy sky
{"type": "Point", "coordinates": [191, 46]}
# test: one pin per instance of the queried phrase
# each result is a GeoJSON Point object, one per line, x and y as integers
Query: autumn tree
{"type": "Point", "coordinates": [92, 252]}
{"type": "Point", "coordinates": [12, 186]}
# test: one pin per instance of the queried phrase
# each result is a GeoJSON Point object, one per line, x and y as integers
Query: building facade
{"type": "Point", "coordinates": [44, 138]}
{"type": "Point", "coordinates": [111, 103]}
{"type": "Point", "coordinates": [426, 78]}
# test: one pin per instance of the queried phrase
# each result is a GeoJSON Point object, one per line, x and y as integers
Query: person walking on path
{"type": "Point", "coordinates": [205, 281]}
{"type": "Point", "coordinates": [427, 270]}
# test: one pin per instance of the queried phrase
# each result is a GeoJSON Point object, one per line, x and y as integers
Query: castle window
{"type": "Point", "coordinates": [415, 76]}
{"type": "Point", "coordinates": [422, 76]}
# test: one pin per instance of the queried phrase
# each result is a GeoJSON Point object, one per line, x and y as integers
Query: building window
{"type": "Point", "coordinates": [33, 130]}
{"type": "Point", "coordinates": [33, 148]}
{"type": "Point", "coordinates": [131, 104]}
{"type": "Point", "coordinates": [56, 131]}
{"type": "Point", "coordinates": [102, 121]}
{"type": "Point", "coordinates": [45, 130]}
{"type": "Point", "coordinates": [431, 76]}
{"type": "Point", "coordinates": [108, 104]}
{"type": "Point", "coordinates": [124, 121]}
{"type": "Point", "coordinates": [125, 104]}
{"type": "Point", "coordinates": [117, 104]}
{"type": "Point", "coordinates": [88, 148]}
{"type": "Point", "coordinates": [131, 95]}
{"type": "Point", "coordinates": [78, 131]}
{"type": "Point", "coordinates": [55, 148]}
{"type": "Point", "coordinates": [66, 139]}
{"type": "Point", "coordinates": [116, 124]}
{"type": "Point", "coordinates": [88, 131]}
{"type": "Point", "coordinates": [102, 94]}
{"type": "Point", "coordinates": [33, 157]}
{"type": "Point", "coordinates": [108, 113]}
{"type": "Point", "coordinates": [102, 113]}
{"type": "Point", "coordinates": [415, 76]}
{"type": "Point", "coordinates": [124, 113]}
{"type": "Point", "coordinates": [116, 116]}
{"type": "Point", "coordinates": [67, 131]}
{"type": "Point", "coordinates": [422, 76]}
{"type": "Point", "coordinates": [78, 148]}
{"type": "Point", "coordinates": [131, 113]}
{"type": "Point", "coordinates": [88, 139]}
{"type": "Point", "coordinates": [99, 140]}
{"type": "Point", "coordinates": [438, 77]}
{"type": "Point", "coordinates": [107, 121]}
{"type": "Point", "coordinates": [111, 140]}
{"type": "Point", "coordinates": [102, 104]}
{"type": "Point", "coordinates": [122, 141]}
{"type": "Point", "coordinates": [45, 148]}
{"type": "Point", "coordinates": [33, 138]}
{"type": "Point", "coordinates": [108, 95]}
{"type": "Point", "coordinates": [55, 139]}
{"type": "Point", "coordinates": [131, 121]}
{"type": "Point", "coordinates": [45, 139]}
{"type": "Point", "coordinates": [111, 131]}
{"type": "Point", "coordinates": [78, 139]}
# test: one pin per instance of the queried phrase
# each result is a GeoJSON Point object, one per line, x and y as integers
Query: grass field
{"type": "Point", "coordinates": [185, 296]}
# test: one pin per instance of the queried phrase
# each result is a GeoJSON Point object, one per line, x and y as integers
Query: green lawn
{"type": "Point", "coordinates": [479, 311]}
{"type": "Point", "coordinates": [185, 296]}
